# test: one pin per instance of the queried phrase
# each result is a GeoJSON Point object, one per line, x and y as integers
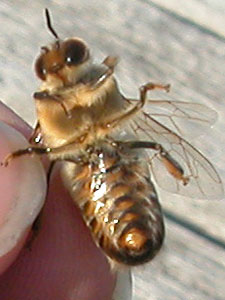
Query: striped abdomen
{"type": "Point", "coordinates": [119, 204]}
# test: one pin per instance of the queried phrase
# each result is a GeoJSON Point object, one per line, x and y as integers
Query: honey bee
{"type": "Point", "coordinates": [112, 148]}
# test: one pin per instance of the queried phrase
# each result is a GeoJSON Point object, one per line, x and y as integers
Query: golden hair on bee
{"type": "Point", "coordinates": [111, 148]}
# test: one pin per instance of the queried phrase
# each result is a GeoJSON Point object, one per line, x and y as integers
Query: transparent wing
{"type": "Point", "coordinates": [204, 182]}
{"type": "Point", "coordinates": [184, 118]}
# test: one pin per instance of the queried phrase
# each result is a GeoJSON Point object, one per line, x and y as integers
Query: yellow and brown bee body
{"type": "Point", "coordinates": [118, 203]}
{"type": "Point", "coordinates": [110, 184]}
{"type": "Point", "coordinates": [85, 121]}
{"type": "Point", "coordinates": [78, 107]}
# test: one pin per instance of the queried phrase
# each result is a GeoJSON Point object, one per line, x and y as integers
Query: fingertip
{"type": "Point", "coordinates": [23, 187]}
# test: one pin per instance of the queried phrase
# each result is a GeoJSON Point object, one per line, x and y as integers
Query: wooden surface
{"type": "Point", "coordinates": [183, 45]}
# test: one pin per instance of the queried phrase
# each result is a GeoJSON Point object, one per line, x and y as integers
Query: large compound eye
{"type": "Point", "coordinates": [75, 52]}
{"type": "Point", "coordinates": [40, 68]}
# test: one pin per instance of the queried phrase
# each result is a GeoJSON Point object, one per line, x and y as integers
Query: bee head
{"type": "Point", "coordinates": [63, 59]}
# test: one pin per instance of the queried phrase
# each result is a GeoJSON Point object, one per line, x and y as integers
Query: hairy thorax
{"type": "Point", "coordinates": [89, 112]}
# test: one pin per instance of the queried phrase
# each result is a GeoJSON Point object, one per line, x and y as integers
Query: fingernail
{"type": "Point", "coordinates": [23, 189]}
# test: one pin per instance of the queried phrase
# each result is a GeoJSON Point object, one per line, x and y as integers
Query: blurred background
{"type": "Point", "coordinates": [183, 45]}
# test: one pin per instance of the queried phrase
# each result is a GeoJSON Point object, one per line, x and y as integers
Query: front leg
{"type": "Point", "coordinates": [110, 62]}
{"type": "Point", "coordinates": [21, 152]}
{"type": "Point", "coordinates": [70, 151]}
{"type": "Point", "coordinates": [45, 96]}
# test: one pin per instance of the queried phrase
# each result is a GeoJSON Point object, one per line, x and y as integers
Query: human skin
{"type": "Point", "coordinates": [63, 262]}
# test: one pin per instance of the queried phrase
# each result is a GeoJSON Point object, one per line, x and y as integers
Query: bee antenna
{"type": "Point", "coordinates": [49, 24]}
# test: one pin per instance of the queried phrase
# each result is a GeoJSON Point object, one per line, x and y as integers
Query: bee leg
{"type": "Point", "coordinates": [42, 151]}
{"type": "Point", "coordinates": [110, 62]}
{"type": "Point", "coordinates": [36, 226]}
{"type": "Point", "coordinates": [44, 95]}
{"type": "Point", "coordinates": [172, 166]}
{"type": "Point", "coordinates": [21, 152]}
{"type": "Point", "coordinates": [143, 97]}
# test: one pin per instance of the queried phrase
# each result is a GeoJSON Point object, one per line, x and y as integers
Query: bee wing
{"type": "Point", "coordinates": [204, 182]}
{"type": "Point", "coordinates": [184, 118]}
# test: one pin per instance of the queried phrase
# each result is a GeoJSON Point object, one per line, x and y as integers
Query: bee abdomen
{"type": "Point", "coordinates": [139, 232]}
{"type": "Point", "coordinates": [120, 206]}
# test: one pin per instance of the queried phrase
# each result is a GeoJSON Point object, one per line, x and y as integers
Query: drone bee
{"type": "Point", "coordinates": [111, 146]}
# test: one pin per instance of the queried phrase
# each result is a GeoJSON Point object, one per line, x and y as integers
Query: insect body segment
{"type": "Point", "coordinates": [119, 204]}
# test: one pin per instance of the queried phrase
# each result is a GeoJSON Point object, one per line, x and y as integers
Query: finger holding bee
{"type": "Point", "coordinates": [18, 209]}
{"type": "Point", "coordinates": [48, 245]}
